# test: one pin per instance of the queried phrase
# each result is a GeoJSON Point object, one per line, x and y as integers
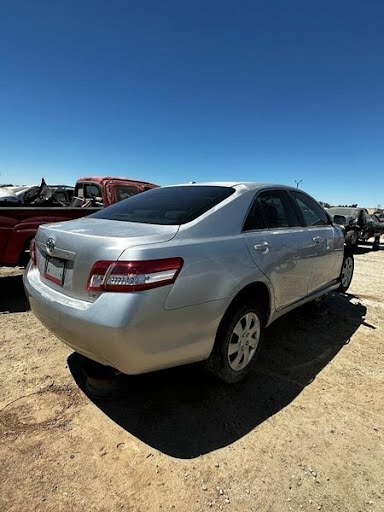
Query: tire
{"type": "Point", "coordinates": [351, 239]}
{"type": "Point", "coordinates": [26, 254]}
{"type": "Point", "coordinates": [376, 243]}
{"type": "Point", "coordinates": [227, 363]}
{"type": "Point", "coordinates": [346, 273]}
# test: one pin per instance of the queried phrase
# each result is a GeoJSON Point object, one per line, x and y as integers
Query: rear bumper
{"type": "Point", "coordinates": [131, 332]}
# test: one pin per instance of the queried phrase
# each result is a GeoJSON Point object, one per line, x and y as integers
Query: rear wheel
{"type": "Point", "coordinates": [346, 272]}
{"type": "Point", "coordinates": [26, 254]}
{"type": "Point", "coordinates": [237, 343]}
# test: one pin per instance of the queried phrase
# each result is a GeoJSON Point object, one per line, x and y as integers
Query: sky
{"type": "Point", "coordinates": [172, 91]}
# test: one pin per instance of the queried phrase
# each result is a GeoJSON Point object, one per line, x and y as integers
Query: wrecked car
{"type": "Point", "coordinates": [357, 224]}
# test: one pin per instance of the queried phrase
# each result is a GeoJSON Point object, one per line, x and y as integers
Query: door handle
{"type": "Point", "coordinates": [318, 239]}
{"type": "Point", "coordinates": [262, 247]}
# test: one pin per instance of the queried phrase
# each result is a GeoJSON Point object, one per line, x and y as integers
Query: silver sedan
{"type": "Point", "coordinates": [184, 273]}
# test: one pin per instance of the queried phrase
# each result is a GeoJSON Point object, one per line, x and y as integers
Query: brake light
{"type": "Point", "coordinates": [32, 251]}
{"type": "Point", "coordinates": [133, 276]}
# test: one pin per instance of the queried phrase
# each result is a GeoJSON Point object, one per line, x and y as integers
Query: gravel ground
{"type": "Point", "coordinates": [303, 433]}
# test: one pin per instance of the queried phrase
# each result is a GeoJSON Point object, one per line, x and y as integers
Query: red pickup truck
{"type": "Point", "coordinates": [18, 224]}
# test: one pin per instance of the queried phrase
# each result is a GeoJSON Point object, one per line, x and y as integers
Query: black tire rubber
{"type": "Point", "coordinates": [26, 254]}
{"type": "Point", "coordinates": [343, 288]}
{"type": "Point", "coordinates": [217, 363]}
{"type": "Point", "coordinates": [376, 243]}
{"type": "Point", "coordinates": [351, 239]}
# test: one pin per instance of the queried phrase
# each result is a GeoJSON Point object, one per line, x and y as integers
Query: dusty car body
{"type": "Point", "coordinates": [173, 275]}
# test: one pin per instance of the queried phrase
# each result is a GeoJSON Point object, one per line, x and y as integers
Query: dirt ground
{"type": "Point", "coordinates": [303, 433]}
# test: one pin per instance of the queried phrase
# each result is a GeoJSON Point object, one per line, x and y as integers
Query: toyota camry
{"type": "Point", "coordinates": [184, 273]}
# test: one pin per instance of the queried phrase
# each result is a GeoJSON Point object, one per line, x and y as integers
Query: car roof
{"type": "Point", "coordinates": [247, 185]}
{"type": "Point", "coordinates": [101, 179]}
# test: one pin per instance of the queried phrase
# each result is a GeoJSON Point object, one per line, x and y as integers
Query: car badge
{"type": "Point", "coordinates": [50, 245]}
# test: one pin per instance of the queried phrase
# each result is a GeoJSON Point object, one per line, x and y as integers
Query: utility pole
{"type": "Point", "coordinates": [298, 183]}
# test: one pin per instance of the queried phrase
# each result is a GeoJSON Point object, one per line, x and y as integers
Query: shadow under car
{"type": "Point", "coordinates": [184, 412]}
{"type": "Point", "coordinates": [12, 296]}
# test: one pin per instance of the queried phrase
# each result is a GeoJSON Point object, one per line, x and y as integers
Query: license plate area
{"type": "Point", "coordinates": [55, 270]}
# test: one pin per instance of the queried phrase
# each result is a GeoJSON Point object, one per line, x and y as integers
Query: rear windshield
{"type": "Point", "coordinates": [167, 206]}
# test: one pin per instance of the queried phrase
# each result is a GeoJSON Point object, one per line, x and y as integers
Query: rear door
{"type": "Point", "coordinates": [327, 259]}
{"type": "Point", "coordinates": [279, 245]}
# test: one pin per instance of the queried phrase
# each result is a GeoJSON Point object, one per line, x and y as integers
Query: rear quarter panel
{"type": "Point", "coordinates": [217, 264]}
{"type": "Point", "coordinates": [213, 269]}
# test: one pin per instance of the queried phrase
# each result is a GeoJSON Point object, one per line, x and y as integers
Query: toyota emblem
{"type": "Point", "coordinates": [50, 245]}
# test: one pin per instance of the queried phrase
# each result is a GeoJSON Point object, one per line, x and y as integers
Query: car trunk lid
{"type": "Point", "coordinates": [67, 251]}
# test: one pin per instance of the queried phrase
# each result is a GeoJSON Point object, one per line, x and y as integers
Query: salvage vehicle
{"type": "Point", "coordinates": [40, 195]}
{"type": "Point", "coordinates": [379, 216]}
{"type": "Point", "coordinates": [8, 197]}
{"type": "Point", "coordinates": [185, 273]}
{"type": "Point", "coordinates": [358, 225]}
{"type": "Point", "coordinates": [18, 225]}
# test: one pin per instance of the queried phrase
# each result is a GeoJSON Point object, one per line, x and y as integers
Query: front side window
{"type": "Point", "coordinates": [313, 214]}
{"type": "Point", "coordinates": [277, 209]}
{"type": "Point", "coordinates": [168, 205]}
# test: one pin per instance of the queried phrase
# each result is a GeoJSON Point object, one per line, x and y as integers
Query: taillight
{"type": "Point", "coordinates": [133, 276]}
{"type": "Point", "coordinates": [32, 251]}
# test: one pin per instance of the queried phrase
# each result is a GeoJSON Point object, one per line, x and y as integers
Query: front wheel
{"type": "Point", "coordinates": [346, 272]}
{"type": "Point", "coordinates": [237, 343]}
{"type": "Point", "coordinates": [351, 238]}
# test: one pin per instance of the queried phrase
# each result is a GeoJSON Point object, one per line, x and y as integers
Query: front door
{"type": "Point", "coordinates": [327, 260]}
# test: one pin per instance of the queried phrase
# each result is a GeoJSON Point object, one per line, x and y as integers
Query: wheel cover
{"type": "Point", "coordinates": [244, 341]}
{"type": "Point", "coordinates": [347, 272]}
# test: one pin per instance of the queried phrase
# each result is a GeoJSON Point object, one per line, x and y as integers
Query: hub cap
{"type": "Point", "coordinates": [346, 272]}
{"type": "Point", "coordinates": [244, 341]}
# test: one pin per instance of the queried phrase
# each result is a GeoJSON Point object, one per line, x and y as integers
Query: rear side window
{"type": "Point", "coordinates": [255, 219]}
{"type": "Point", "coordinates": [313, 214]}
{"type": "Point", "coordinates": [125, 191]}
{"type": "Point", "coordinates": [278, 209]}
{"type": "Point", "coordinates": [167, 206]}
